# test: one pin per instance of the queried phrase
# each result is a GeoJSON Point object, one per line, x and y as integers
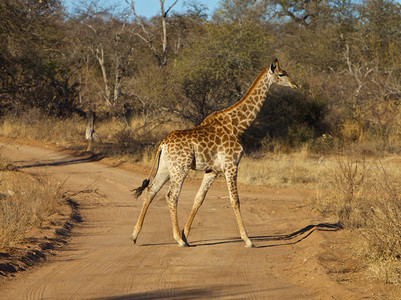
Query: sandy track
{"type": "Point", "coordinates": [100, 261]}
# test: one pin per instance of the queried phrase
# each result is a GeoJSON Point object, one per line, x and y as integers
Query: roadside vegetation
{"type": "Point", "coordinates": [364, 195]}
{"type": "Point", "coordinates": [26, 201]}
{"type": "Point", "coordinates": [339, 134]}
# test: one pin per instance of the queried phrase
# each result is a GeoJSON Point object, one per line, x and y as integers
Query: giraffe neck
{"type": "Point", "coordinates": [243, 113]}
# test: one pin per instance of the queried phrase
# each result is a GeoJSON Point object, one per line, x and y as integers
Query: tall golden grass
{"type": "Point", "coordinates": [299, 169]}
{"type": "Point", "coordinates": [365, 196]}
{"type": "Point", "coordinates": [25, 202]}
{"type": "Point", "coordinates": [34, 126]}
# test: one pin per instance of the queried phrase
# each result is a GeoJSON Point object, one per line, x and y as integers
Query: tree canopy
{"type": "Point", "coordinates": [346, 56]}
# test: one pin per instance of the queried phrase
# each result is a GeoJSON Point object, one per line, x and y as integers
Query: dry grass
{"type": "Point", "coordinates": [25, 202]}
{"type": "Point", "coordinates": [296, 170]}
{"type": "Point", "coordinates": [365, 196]}
{"type": "Point", "coordinates": [34, 126]}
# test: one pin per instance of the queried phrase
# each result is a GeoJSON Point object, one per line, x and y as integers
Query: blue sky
{"type": "Point", "coordinates": [147, 8]}
{"type": "Point", "coordinates": [152, 7]}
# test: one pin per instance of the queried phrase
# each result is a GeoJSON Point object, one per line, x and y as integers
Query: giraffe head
{"type": "Point", "coordinates": [280, 76]}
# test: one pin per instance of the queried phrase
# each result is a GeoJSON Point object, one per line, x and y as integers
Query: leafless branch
{"type": "Point", "coordinates": [132, 5]}
{"type": "Point", "coordinates": [148, 38]}
{"type": "Point", "coordinates": [360, 73]}
{"type": "Point", "coordinates": [164, 14]}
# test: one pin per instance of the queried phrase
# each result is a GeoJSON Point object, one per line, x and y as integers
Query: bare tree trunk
{"type": "Point", "coordinates": [117, 83]}
{"type": "Point", "coordinates": [100, 59]}
{"type": "Point", "coordinates": [148, 38]}
{"type": "Point", "coordinates": [164, 27]}
{"type": "Point", "coordinates": [90, 128]}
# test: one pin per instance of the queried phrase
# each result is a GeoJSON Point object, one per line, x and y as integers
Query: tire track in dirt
{"type": "Point", "coordinates": [100, 262]}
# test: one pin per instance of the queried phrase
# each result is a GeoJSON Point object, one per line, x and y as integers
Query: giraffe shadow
{"type": "Point", "coordinates": [61, 162]}
{"type": "Point", "coordinates": [280, 239]}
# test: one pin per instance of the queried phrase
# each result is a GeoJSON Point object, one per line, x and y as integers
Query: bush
{"type": "Point", "coordinates": [288, 119]}
{"type": "Point", "coordinates": [365, 197]}
{"type": "Point", "coordinates": [25, 202]}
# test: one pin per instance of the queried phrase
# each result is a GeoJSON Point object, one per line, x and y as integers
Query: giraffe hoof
{"type": "Point", "coordinates": [184, 238]}
{"type": "Point", "coordinates": [183, 244]}
{"type": "Point", "coordinates": [249, 245]}
{"type": "Point", "coordinates": [133, 239]}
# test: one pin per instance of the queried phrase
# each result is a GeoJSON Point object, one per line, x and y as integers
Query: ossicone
{"type": "Point", "coordinates": [274, 65]}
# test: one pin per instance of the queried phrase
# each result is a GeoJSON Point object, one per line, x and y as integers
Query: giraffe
{"type": "Point", "coordinates": [212, 147]}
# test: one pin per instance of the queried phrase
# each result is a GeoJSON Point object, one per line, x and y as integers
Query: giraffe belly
{"type": "Point", "coordinates": [207, 163]}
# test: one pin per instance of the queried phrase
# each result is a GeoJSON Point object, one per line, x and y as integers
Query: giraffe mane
{"type": "Point", "coordinates": [250, 90]}
{"type": "Point", "coordinates": [235, 105]}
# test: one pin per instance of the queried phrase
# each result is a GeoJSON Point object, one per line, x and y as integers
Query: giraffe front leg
{"type": "Point", "coordinates": [172, 199]}
{"type": "Point", "coordinates": [200, 196]}
{"type": "Point", "coordinates": [231, 178]}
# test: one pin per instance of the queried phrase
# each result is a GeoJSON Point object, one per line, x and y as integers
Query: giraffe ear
{"type": "Point", "coordinates": [274, 65]}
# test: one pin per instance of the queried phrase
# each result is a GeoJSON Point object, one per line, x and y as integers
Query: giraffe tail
{"type": "Point", "coordinates": [138, 191]}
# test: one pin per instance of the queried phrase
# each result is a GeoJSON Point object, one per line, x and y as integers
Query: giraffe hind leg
{"type": "Point", "coordinates": [159, 180]}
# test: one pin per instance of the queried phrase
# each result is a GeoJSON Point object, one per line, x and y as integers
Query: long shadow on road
{"type": "Point", "coordinates": [287, 239]}
{"type": "Point", "coordinates": [297, 236]}
{"type": "Point", "coordinates": [62, 162]}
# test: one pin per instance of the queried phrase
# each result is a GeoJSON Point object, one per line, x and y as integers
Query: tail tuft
{"type": "Point", "coordinates": [138, 191]}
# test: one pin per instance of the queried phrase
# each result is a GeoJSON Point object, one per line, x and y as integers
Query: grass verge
{"type": "Point", "coordinates": [25, 202]}
{"type": "Point", "coordinates": [295, 170]}
{"type": "Point", "coordinates": [365, 197]}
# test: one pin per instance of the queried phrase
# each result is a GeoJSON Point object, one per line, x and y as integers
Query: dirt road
{"type": "Point", "coordinates": [101, 262]}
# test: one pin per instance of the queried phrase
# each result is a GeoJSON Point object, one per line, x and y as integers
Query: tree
{"type": "Point", "coordinates": [33, 70]}
{"type": "Point", "coordinates": [215, 71]}
{"type": "Point", "coordinates": [238, 11]}
{"type": "Point", "coordinates": [105, 41]}
{"type": "Point", "coordinates": [148, 37]}
{"type": "Point", "coordinates": [304, 13]}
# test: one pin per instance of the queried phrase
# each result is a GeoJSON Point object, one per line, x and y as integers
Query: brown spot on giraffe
{"type": "Point", "coordinates": [212, 147]}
